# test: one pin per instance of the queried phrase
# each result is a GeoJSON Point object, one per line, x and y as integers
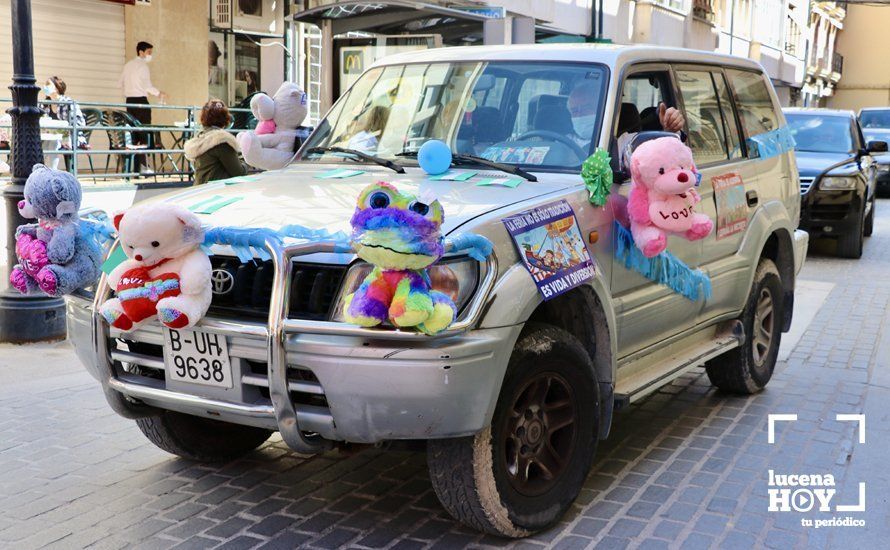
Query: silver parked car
{"type": "Point", "coordinates": [513, 398]}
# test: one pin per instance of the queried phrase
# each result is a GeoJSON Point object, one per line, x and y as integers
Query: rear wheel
{"type": "Point", "coordinates": [850, 245]}
{"type": "Point", "coordinates": [749, 367]}
{"type": "Point", "coordinates": [201, 439]}
{"type": "Point", "coordinates": [520, 474]}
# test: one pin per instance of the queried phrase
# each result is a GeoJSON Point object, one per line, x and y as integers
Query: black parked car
{"type": "Point", "coordinates": [875, 124]}
{"type": "Point", "coordinates": [837, 176]}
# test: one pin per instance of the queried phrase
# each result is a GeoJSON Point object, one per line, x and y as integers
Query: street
{"type": "Point", "coordinates": [686, 467]}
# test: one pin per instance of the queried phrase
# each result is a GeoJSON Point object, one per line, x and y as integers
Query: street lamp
{"type": "Point", "coordinates": [24, 318]}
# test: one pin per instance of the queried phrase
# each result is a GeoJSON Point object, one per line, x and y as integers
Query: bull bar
{"type": "Point", "coordinates": [278, 328]}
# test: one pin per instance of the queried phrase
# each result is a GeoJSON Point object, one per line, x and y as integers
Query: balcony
{"type": "Point", "coordinates": [837, 65]}
{"type": "Point", "coordinates": [828, 68]}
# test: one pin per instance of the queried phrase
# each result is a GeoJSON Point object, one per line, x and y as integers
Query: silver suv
{"type": "Point", "coordinates": [513, 398]}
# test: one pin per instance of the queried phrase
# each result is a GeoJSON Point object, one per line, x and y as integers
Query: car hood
{"type": "Point", "coordinates": [810, 165]}
{"type": "Point", "coordinates": [295, 195]}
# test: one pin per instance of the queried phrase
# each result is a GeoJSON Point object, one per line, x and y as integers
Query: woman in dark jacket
{"type": "Point", "coordinates": [214, 151]}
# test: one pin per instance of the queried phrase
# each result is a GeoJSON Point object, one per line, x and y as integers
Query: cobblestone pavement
{"type": "Point", "coordinates": [686, 467]}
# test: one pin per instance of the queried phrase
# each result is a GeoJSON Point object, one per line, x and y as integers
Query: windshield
{"type": "Point", "coordinates": [539, 115]}
{"type": "Point", "coordinates": [820, 134]}
{"type": "Point", "coordinates": [875, 119]}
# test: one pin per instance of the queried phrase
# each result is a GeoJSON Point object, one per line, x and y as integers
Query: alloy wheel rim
{"type": "Point", "coordinates": [539, 434]}
{"type": "Point", "coordinates": [764, 318]}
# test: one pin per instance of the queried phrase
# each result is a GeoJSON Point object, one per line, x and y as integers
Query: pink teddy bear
{"type": "Point", "coordinates": [663, 197]}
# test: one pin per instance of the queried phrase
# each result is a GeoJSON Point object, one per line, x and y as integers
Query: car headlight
{"type": "Point", "coordinates": [457, 277]}
{"type": "Point", "coordinates": [837, 182]}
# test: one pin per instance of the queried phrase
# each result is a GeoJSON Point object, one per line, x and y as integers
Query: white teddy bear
{"type": "Point", "coordinates": [166, 275]}
{"type": "Point", "coordinates": [271, 145]}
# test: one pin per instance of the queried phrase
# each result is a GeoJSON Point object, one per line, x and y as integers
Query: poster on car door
{"type": "Point", "coordinates": [551, 247]}
{"type": "Point", "coordinates": [732, 207]}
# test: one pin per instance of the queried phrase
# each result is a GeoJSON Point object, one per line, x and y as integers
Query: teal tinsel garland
{"type": "Point", "coordinates": [665, 268]}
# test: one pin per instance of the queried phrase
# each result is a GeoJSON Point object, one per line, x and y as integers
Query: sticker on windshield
{"type": "Point", "coordinates": [732, 207]}
{"type": "Point", "coordinates": [516, 155]}
{"type": "Point", "coordinates": [551, 247]}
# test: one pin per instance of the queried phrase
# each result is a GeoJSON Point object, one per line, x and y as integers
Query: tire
{"type": "Point", "coordinates": [748, 368]}
{"type": "Point", "coordinates": [472, 475]}
{"type": "Point", "coordinates": [201, 439]}
{"type": "Point", "coordinates": [870, 219]}
{"type": "Point", "coordinates": [850, 245]}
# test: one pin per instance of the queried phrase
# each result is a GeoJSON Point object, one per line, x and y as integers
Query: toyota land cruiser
{"type": "Point", "coordinates": [513, 398]}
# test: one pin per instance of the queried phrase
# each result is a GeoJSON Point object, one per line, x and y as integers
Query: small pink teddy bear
{"type": "Point", "coordinates": [663, 197]}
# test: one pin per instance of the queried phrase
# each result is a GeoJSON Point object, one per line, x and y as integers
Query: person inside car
{"type": "Point", "coordinates": [583, 105]}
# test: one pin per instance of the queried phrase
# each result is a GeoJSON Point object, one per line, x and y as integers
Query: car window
{"type": "Point", "coordinates": [756, 111]}
{"type": "Point", "coordinates": [820, 133]}
{"type": "Point", "coordinates": [875, 119]}
{"type": "Point", "coordinates": [730, 128]}
{"type": "Point", "coordinates": [539, 114]}
{"type": "Point", "coordinates": [644, 92]}
{"type": "Point", "coordinates": [704, 123]}
{"type": "Point", "coordinates": [490, 96]}
{"type": "Point", "coordinates": [532, 94]}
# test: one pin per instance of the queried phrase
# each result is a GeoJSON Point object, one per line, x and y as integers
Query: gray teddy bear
{"type": "Point", "coordinates": [55, 254]}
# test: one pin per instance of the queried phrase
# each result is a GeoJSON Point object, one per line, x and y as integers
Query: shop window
{"type": "Point", "coordinates": [704, 122]}
{"type": "Point", "coordinates": [217, 63]}
{"type": "Point", "coordinates": [247, 68]}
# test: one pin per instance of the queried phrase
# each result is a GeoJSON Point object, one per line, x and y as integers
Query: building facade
{"type": "Point", "coordinates": [866, 75]}
{"type": "Point", "coordinates": [824, 63]}
{"type": "Point", "coordinates": [771, 32]}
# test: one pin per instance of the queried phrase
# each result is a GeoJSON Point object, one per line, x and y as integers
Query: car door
{"type": "Point", "coordinates": [647, 312]}
{"type": "Point", "coordinates": [735, 188]}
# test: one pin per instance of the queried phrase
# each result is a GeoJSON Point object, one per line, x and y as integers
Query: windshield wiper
{"type": "Point", "coordinates": [463, 159]}
{"type": "Point", "coordinates": [394, 166]}
{"type": "Point", "coordinates": [509, 168]}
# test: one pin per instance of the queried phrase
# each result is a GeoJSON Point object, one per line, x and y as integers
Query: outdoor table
{"type": "Point", "coordinates": [51, 135]}
{"type": "Point", "coordinates": [180, 134]}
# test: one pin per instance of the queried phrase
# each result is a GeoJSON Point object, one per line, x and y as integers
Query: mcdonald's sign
{"type": "Point", "coordinates": [352, 61]}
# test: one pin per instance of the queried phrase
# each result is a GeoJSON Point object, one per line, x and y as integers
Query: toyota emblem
{"type": "Point", "coordinates": [222, 282]}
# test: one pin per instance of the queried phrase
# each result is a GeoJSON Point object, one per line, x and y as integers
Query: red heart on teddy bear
{"type": "Point", "coordinates": [139, 292]}
{"type": "Point", "coordinates": [31, 253]}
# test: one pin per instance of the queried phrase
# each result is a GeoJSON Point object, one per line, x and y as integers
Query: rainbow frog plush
{"type": "Point", "coordinates": [399, 235]}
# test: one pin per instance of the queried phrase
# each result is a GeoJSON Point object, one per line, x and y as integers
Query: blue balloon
{"type": "Point", "coordinates": [434, 157]}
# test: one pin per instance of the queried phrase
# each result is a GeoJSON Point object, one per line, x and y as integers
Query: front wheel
{"type": "Point", "coordinates": [520, 474]}
{"type": "Point", "coordinates": [850, 245]}
{"type": "Point", "coordinates": [201, 439]}
{"type": "Point", "coordinates": [870, 219]}
{"type": "Point", "coordinates": [749, 367]}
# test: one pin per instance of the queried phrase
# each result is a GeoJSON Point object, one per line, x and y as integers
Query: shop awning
{"type": "Point", "coordinates": [392, 17]}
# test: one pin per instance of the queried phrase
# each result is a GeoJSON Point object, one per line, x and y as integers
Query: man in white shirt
{"type": "Point", "coordinates": [135, 81]}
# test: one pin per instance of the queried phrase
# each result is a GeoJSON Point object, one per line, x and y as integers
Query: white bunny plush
{"type": "Point", "coordinates": [271, 145]}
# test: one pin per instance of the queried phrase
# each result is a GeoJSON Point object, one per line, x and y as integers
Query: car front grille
{"type": "Point", "coordinates": [805, 184]}
{"type": "Point", "coordinates": [142, 362]}
{"type": "Point", "coordinates": [242, 290]}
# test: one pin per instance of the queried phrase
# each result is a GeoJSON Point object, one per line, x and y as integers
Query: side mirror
{"type": "Point", "coordinates": [877, 147]}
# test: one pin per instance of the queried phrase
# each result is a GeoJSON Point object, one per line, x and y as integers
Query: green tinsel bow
{"type": "Point", "coordinates": [597, 175]}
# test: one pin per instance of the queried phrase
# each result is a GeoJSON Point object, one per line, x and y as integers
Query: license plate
{"type": "Point", "coordinates": [197, 357]}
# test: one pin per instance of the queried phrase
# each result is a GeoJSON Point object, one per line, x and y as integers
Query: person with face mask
{"type": "Point", "coordinates": [583, 106]}
{"type": "Point", "coordinates": [68, 111]}
{"type": "Point", "coordinates": [135, 81]}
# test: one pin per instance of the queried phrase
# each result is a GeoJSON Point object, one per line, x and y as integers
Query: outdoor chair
{"type": "Point", "coordinates": [92, 117]}
{"type": "Point", "coordinates": [122, 140]}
